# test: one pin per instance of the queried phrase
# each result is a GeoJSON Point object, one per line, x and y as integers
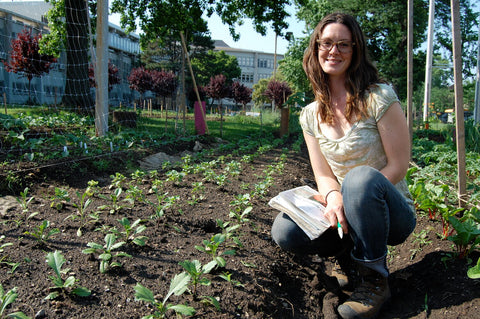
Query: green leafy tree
{"type": "Point", "coordinates": [210, 64]}
{"type": "Point", "coordinates": [258, 96]}
{"type": "Point", "coordinates": [292, 69]}
{"type": "Point", "coordinates": [469, 32]}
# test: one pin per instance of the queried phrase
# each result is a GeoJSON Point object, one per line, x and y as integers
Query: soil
{"type": "Point", "coordinates": [427, 280]}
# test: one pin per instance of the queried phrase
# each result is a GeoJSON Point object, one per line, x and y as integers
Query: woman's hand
{"type": "Point", "coordinates": [334, 211]}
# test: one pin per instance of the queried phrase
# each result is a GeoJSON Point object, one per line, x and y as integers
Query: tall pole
{"type": "Point", "coordinates": [459, 116]}
{"type": "Point", "coordinates": [476, 110]}
{"type": "Point", "coordinates": [101, 70]}
{"type": "Point", "coordinates": [275, 58]}
{"type": "Point", "coordinates": [428, 67]}
{"type": "Point", "coordinates": [410, 68]}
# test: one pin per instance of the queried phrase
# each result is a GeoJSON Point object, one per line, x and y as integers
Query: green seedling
{"type": "Point", "coordinates": [24, 202]}
{"type": "Point", "coordinates": [60, 198]}
{"type": "Point", "coordinates": [118, 181]}
{"type": "Point", "coordinates": [178, 286]}
{"type": "Point", "coordinates": [7, 298]}
{"type": "Point", "coordinates": [197, 273]}
{"type": "Point", "coordinates": [68, 286]}
{"type": "Point", "coordinates": [82, 206]}
{"type": "Point", "coordinates": [228, 277]}
{"type": "Point", "coordinates": [108, 258]}
{"type": "Point", "coordinates": [241, 217]}
{"type": "Point", "coordinates": [134, 193]}
{"type": "Point", "coordinates": [211, 248]}
{"type": "Point", "coordinates": [114, 198]}
{"type": "Point", "coordinates": [175, 176]}
{"type": "Point", "coordinates": [42, 234]}
{"type": "Point", "coordinates": [131, 231]}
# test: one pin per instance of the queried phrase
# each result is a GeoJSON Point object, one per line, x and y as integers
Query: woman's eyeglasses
{"type": "Point", "coordinates": [342, 46]}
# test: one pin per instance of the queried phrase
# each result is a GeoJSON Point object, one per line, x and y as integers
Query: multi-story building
{"type": "Point", "coordinates": [255, 65]}
{"type": "Point", "coordinates": [48, 89]}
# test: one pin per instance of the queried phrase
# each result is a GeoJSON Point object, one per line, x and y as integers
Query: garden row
{"type": "Point", "coordinates": [90, 211]}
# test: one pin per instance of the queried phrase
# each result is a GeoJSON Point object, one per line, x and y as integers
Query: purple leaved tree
{"type": "Point", "coordinates": [218, 89]}
{"type": "Point", "coordinates": [278, 92]}
{"type": "Point", "coordinates": [241, 94]}
{"type": "Point", "coordinates": [26, 59]}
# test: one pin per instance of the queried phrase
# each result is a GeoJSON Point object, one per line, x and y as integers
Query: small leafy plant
{"type": "Point", "coordinates": [24, 202]}
{"type": "Point", "coordinates": [211, 247]}
{"type": "Point", "coordinates": [68, 286]}
{"type": "Point", "coordinates": [42, 234]}
{"type": "Point", "coordinates": [197, 273]}
{"type": "Point", "coordinates": [467, 235]}
{"type": "Point", "coordinates": [178, 286]}
{"type": "Point", "coordinates": [108, 258]}
{"type": "Point", "coordinates": [131, 231]}
{"type": "Point", "coordinates": [60, 198]}
{"type": "Point", "coordinates": [7, 298]}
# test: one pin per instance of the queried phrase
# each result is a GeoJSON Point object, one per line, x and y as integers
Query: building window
{"type": "Point", "coordinates": [246, 78]}
{"type": "Point", "coordinates": [262, 63]}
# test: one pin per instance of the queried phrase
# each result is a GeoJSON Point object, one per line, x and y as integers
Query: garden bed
{"type": "Point", "coordinates": [427, 280]}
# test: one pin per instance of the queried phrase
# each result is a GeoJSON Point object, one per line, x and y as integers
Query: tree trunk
{"type": "Point", "coordinates": [284, 119]}
{"type": "Point", "coordinates": [77, 86]}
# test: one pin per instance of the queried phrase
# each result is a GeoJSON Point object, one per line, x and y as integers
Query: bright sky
{"type": "Point", "coordinates": [251, 40]}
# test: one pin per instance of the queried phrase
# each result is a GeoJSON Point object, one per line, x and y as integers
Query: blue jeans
{"type": "Point", "coordinates": [377, 214]}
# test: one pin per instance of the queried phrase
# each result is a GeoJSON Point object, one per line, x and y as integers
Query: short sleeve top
{"type": "Point", "coordinates": [362, 144]}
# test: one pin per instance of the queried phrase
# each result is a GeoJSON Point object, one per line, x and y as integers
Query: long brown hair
{"type": "Point", "coordinates": [360, 75]}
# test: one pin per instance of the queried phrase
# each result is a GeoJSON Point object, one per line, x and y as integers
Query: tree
{"type": "Point", "coordinates": [113, 77]}
{"type": "Point", "coordinates": [206, 66]}
{"type": "Point", "coordinates": [140, 80]}
{"type": "Point", "coordinates": [258, 96]}
{"type": "Point", "coordinates": [241, 94]}
{"type": "Point", "coordinates": [159, 17]}
{"type": "Point", "coordinates": [164, 84]}
{"type": "Point", "coordinates": [469, 30]}
{"type": "Point", "coordinates": [292, 69]}
{"type": "Point", "coordinates": [218, 89]}
{"type": "Point", "coordinates": [278, 92]}
{"type": "Point", "coordinates": [25, 58]}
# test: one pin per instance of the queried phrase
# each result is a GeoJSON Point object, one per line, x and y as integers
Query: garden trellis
{"type": "Point", "coordinates": [458, 85]}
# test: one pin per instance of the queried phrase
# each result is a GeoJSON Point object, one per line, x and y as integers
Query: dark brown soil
{"type": "Point", "coordinates": [427, 280]}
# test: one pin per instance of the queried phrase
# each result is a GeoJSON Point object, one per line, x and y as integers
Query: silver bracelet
{"type": "Point", "coordinates": [328, 193]}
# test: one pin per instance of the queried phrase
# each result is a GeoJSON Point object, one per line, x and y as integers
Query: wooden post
{"type": "Point", "coordinates": [459, 115]}
{"type": "Point", "coordinates": [428, 66]}
{"type": "Point", "coordinates": [5, 101]}
{"type": "Point", "coordinates": [410, 69]}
